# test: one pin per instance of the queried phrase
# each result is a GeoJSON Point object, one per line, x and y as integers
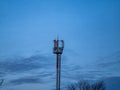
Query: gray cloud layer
{"type": "Point", "coordinates": [41, 69]}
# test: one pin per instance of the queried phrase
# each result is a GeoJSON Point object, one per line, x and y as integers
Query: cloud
{"type": "Point", "coordinates": [25, 64]}
{"type": "Point", "coordinates": [26, 80]}
{"type": "Point", "coordinates": [110, 60]}
{"type": "Point", "coordinates": [34, 69]}
{"type": "Point", "coordinates": [96, 70]}
{"type": "Point", "coordinates": [41, 69]}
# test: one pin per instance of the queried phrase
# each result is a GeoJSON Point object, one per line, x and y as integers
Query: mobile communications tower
{"type": "Point", "coordinates": [58, 49]}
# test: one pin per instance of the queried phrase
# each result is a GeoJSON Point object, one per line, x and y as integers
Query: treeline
{"type": "Point", "coordinates": [85, 85]}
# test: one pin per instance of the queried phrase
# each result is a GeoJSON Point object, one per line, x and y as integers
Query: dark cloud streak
{"type": "Point", "coordinates": [25, 80]}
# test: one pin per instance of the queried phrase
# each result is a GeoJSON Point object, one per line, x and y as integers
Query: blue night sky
{"type": "Point", "coordinates": [90, 29]}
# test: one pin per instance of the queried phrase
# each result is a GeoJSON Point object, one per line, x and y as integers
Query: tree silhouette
{"type": "Point", "coordinates": [98, 86]}
{"type": "Point", "coordinates": [71, 87]}
{"type": "Point", "coordinates": [85, 85]}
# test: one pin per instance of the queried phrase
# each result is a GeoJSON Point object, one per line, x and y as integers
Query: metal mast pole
{"type": "Point", "coordinates": [58, 51]}
{"type": "Point", "coordinates": [57, 66]}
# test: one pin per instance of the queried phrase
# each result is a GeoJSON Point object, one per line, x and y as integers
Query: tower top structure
{"type": "Point", "coordinates": [58, 46]}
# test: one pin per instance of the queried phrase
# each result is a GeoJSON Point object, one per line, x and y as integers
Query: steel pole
{"type": "Point", "coordinates": [58, 71]}
{"type": "Point", "coordinates": [59, 56]}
